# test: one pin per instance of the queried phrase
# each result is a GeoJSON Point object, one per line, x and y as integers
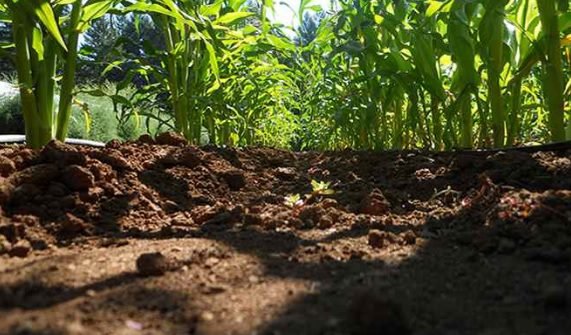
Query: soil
{"type": "Point", "coordinates": [147, 238]}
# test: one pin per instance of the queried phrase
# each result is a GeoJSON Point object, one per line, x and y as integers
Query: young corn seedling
{"type": "Point", "coordinates": [319, 189]}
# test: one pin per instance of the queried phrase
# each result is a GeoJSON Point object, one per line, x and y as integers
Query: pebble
{"type": "Point", "coordinates": [380, 239]}
{"type": "Point", "coordinates": [21, 249]}
{"type": "Point", "coordinates": [152, 264]}
{"type": "Point", "coordinates": [207, 316]}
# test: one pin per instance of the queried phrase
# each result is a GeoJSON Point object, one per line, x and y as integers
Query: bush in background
{"type": "Point", "coordinates": [103, 124]}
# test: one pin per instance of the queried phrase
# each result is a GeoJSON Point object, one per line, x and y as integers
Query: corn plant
{"type": "Point", "coordinates": [46, 35]}
{"type": "Point", "coordinates": [553, 83]}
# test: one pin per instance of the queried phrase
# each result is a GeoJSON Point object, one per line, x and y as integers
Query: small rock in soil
{"type": "Point", "coordinates": [409, 237]}
{"type": "Point", "coordinates": [12, 231]}
{"type": "Point", "coordinates": [375, 203]}
{"type": "Point", "coordinates": [371, 313]}
{"type": "Point", "coordinates": [7, 167]}
{"type": "Point", "coordinates": [325, 222]}
{"type": "Point", "coordinates": [146, 138]}
{"type": "Point", "coordinates": [72, 225]}
{"type": "Point", "coordinates": [113, 144]}
{"type": "Point", "coordinates": [235, 179]}
{"type": "Point", "coordinates": [380, 239]}
{"type": "Point", "coordinates": [152, 264]}
{"type": "Point", "coordinates": [171, 138]}
{"type": "Point", "coordinates": [207, 316]}
{"type": "Point", "coordinates": [92, 195]}
{"type": "Point", "coordinates": [21, 249]}
{"type": "Point", "coordinates": [27, 220]}
{"type": "Point", "coordinates": [78, 178]}
{"type": "Point", "coordinates": [329, 203]}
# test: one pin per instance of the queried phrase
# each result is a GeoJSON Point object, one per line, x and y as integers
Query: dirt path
{"type": "Point", "coordinates": [409, 243]}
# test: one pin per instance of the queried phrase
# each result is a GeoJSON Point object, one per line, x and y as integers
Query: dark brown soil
{"type": "Point", "coordinates": [143, 238]}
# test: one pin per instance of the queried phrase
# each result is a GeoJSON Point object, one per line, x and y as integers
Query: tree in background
{"type": "Point", "coordinates": [113, 39]}
{"type": "Point", "coordinates": [6, 65]}
{"type": "Point", "coordinates": [307, 32]}
{"type": "Point", "coordinates": [98, 49]}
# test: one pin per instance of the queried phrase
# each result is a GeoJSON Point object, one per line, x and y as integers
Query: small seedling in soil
{"type": "Point", "coordinates": [319, 189]}
{"type": "Point", "coordinates": [293, 200]}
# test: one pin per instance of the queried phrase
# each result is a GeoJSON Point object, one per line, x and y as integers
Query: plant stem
{"type": "Point", "coordinates": [553, 83]}
{"type": "Point", "coordinates": [68, 81]}
{"type": "Point", "coordinates": [25, 81]}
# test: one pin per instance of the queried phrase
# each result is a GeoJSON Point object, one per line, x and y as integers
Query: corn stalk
{"type": "Point", "coordinates": [553, 83]}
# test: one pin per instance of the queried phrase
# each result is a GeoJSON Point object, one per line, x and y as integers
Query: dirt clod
{"type": "Point", "coordinates": [171, 138]}
{"type": "Point", "coordinates": [235, 179]}
{"type": "Point", "coordinates": [61, 154]}
{"type": "Point", "coordinates": [375, 203]}
{"type": "Point", "coordinates": [409, 237]}
{"type": "Point", "coordinates": [7, 166]}
{"type": "Point", "coordinates": [152, 264]}
{"type": "Point", "coordinates": [77, 178]}
{"type": "Point", "coordinates": [381, 239]}
{"type": "Point", "coordinates": [146, 138]}
{"type": "Point", "coordinates": [36, 174]}
{"type": "Point", "coordinates": [20, 249]}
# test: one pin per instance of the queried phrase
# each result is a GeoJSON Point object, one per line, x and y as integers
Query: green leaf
{"type": "Point", "coordinates": [94, 10]}
{"type": "Point", "coordinates": [232, 18]}
{"type": "Point", "coordinates": [213, 60]}
{"type": "Point", "coordinates": [280, 43]}
{"type": "Point", "coordinates": [212, 9]}
{"type": "Point", "coordinates": [44, 12]}
{"type": "Point", "coordinates": [38, 43]}
{"type": "Point", "coordinates": [435, 7]}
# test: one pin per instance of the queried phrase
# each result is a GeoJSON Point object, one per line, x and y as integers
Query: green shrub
{"type": "Point", "coordinates": [11, 119]}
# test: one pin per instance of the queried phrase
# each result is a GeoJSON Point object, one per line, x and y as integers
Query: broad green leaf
{"type": "Point", "coordinates": [211, 9]}
{"type": "Point", "coordinates": [43, 11]}
{"type": "Point", "coordinates": [232, 18]}
{"type": "Point", "coordinates": [280, 43]}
